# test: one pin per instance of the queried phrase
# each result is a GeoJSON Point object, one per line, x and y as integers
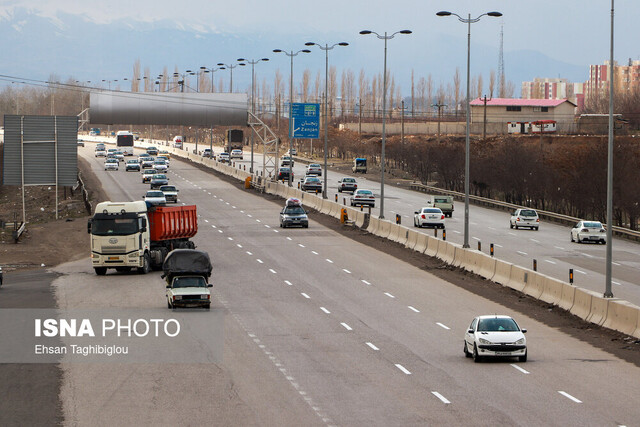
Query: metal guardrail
{"type": "Point", "coordinates": [18, 232]}
{"type": "Point", "coordinates": [85, 195]}
{"type": "Point", "coordinates": [496, 204]}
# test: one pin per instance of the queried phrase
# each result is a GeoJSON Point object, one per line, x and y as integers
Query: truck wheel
{"type": "Point", "coordinates": [146, 265]}
{"type": "Point", "coordinates": [100, 271]}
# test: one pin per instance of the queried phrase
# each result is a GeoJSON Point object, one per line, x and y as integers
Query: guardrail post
{"type": "Point", "coordinates": [435, 232]}
{"type": "Point", "coordinates": [571, 276]}
{"type": "Point", "coordinates": [535, 264]}
{"type": "Point", "coordinates": [362, 208]}
{"type": "Point", "coordinates": [444, 234]}
{"type": "Point", "coordinates": [398, 219]}
{"type": "Point", "coordinates": [298, 185]}
{"type": "Point", "coordinates": [491, 248]}
{"type": "Point", "coordinates": [336, 197]}
{"type": "Point", "coordinates": [479, 245]}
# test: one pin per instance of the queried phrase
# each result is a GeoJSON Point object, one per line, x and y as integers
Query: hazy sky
{"type": "Point", "coordinates": [575, 31]}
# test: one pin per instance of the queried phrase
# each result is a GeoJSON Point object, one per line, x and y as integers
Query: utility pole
{"type": "Point", "coordinates": [484, 126]}
{"type": "Point", "coordinates": [439, 106]}
{"type": "Point", "coordinates": [360, 118]}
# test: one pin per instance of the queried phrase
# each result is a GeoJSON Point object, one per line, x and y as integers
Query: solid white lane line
{"type": "Point", "coordinates": [521, 253]}
{"type": "Point", "coordinates": [389, 295]}
{"type": "Point", "coordinates": [373, 347]}
{"type": "Point", "coordinates": [568, 396]}
{"type": "Point", "coordinates": [347, 327]}
{"type": "Point", "coordinates": [314, 252]}
{"type": "Point", "coordinates": [549, 261]}
{"type": "Point", "coordinates": [325, 310]}
{"type": "Point", "coordinates": [365, 282]}
{"type": "Point", "coordinates": [305, 295]}
{"type": "Point", "coordinates": [441, 397]}
{"type": "Point", "coordinates": [346, 271]}
{"type": "Point", "coordinates": [288, 283]}
{"type": "Point", "coordinates": [413, 309]}
{"type": "Point", "coordinates": [524, 371]}
{"type": "Point", "coordinates": [403, 369]}
{"type": "Point", "coordinates": [301, 245]}
{"type": "Point", "coordinates": [249, 253]}
{"type": "Point", "coordinates": [587, 255]}
{"type": "Point", "coordinates": [443, 325]}
{"type": "Point", "coordinates": [260, 261]}
{"type": "Point", "coordinates": [329, 261]}
{"type": "Point", "coordinates": [579, 271]}
{"type": "Point", "coordinates": [272, 270]}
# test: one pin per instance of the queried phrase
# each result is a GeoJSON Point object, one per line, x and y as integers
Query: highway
{"type": "Point", "coordinates": [322, 330]}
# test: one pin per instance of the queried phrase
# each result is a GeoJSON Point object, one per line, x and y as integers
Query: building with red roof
{"type": "Point", "coordinates": [506, 110]}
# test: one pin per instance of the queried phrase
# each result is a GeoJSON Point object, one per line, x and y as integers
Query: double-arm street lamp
{"type": "Point", "coordinates": [230, 67]}
{"type": "Point", "coordinates": [467, 21]}
{"type": "Point", "coordinates": [253, 95]}
{"type": "Point", "coordinates": [384, 37]}
{"type": "Point", "coordinates": [291, 55]}
{"type": "Point", "coordinates": [212, 71]}
{"type": "Point", "coordinates": [326, 49]}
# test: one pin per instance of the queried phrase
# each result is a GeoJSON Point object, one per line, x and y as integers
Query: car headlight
{"type": "Point", "coordinates": [204, 297]}
{"type": "Point", "coordinates": [483, 341]}
{"type": "Point", "coordinates": [177, 297]}
{"type": "Point", "coordinates": [520, 341]}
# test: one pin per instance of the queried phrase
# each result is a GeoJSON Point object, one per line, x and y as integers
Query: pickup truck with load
{"type": "Point", "coordinates": [187, 272]}
{"type": "Point", "coordinates": [234, 140]}
{"type": "Point", "coordinates": [445, 203]}
{"type": "Point", "coordinates": [126, 235]}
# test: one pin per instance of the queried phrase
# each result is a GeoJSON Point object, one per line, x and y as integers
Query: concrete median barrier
{"type": "Point", "coordinates": [421, 243]}
{"type": "Point", "coordinates": [568, 297]}
{"type": "Point", "coordinates": [374, 224]}
{"type": "Point", "coordinates": [582, 302]}
{"type": "Point", "coordinates": [622, 316]}
{"type": "Point", "coordinates": [552, 290]}
{"type": "Point", "coordinates": [502, 273]}
{"type": "Point", "coordinates": [412, 239]}
{"type": "Point", "coordinates": [447, 252]}
{"type": "Point", "coordinates": [432, 245]}
{"type": "Point", "coordinates": [335, 209]}
{"type": "Point", "coordinates": [403, 235]}
{"type": "Point", "coordinates": [534, 286]}
{"type": "Point", "coordinates": [486, 266]}
{"type": "Point", "coordinates": [394, 232]}
{"type": "Point", "coordinates": [325, 206]}
{"type": "Point", "coordinates": [518, 278]}
{"type": "Point", "coordinates": [360, 218]}
{"type": "Point", "coordinates": [599, 309]}
{"type": "Point", "coordinates": [384, 229]}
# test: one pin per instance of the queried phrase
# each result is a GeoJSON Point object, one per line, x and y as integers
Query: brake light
{"type": "Point", "coordinates": [423, 216]}
{"type": "Point", "coordinates": [585, 230]}
{"type": "Point", "coordinates": [355, 186]}
{"type": "Point", "coordinates": [537, 219]}
{"type": "Point", "coordinates": [442, 217]}
{"type": "Point", "coordinates": [518, 219]}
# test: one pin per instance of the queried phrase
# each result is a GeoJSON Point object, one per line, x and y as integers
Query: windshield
{"type": "Point", "coordinates": [189, 282]}
{"type": "Point", "coordinates": [348, 180]}
{"type": "Point", "coordinates": [114, 226]}
{"type": "Point", "coordinates": [432, 210]}
{"type": "Point", "coordinates": [593, 224]}
{"type": "Point", "coordinates": [159, 176]}
{"type": "Point", "coordinates": [294, 210]}
{"type": "Point", "coordinates": [528, 212]}
{"type": "Point", "coordinates": [167, 188]}
{"type": "Point", "coordinates": [497, 325]}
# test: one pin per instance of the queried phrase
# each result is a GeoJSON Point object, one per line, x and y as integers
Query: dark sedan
{"type": "Point", "coordinates": [312, 183]}
{"type": "Point", "coordinates": [158, 180]}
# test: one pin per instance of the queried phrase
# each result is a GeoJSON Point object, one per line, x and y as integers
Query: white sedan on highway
{"type": "Point", "coordinates": [495, 336]}
{"type": "Point", "coordinates": [429, 217]}
{"type": "Point", "coordinates": [363, 197]}
{"type": "Point", "coordinates": [589, 231]}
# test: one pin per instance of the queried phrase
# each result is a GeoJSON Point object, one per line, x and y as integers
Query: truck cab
{"type": "Point", "coordinates": [359, 165]}
{"type": "Point", "coordinates": [444, 203]}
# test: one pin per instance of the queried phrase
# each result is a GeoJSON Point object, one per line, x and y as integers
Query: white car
{"type": "Point", "coordinates": [429, 217]}
{"type": "Point", "coordinates": [188, 291]}
{"type": "Point", "coordinates": [111, 164]}
{"type": "Point", "coordinates": [589, 231]}
{"type": "Point", "coordinates": [155, 197]}
{"type": "Point", "coordinates": [495, 336]}
{"type": "Point", "coordinates": [101, 153]}
{"type": "Point", "coordinates": [236, 154]}
{"type": "Point", "coordinates": [170, 193]}
{"type": "Point", "coordinates": [314, 169]}
{"type": "Point", "coordinates": [223, 157]}
{"type": "Point", "coordinates": [119, 156]}
{"type": "Point", "coordinates": [524, 218]}
{"type": "Point", "coordinates": [160, 166]}
{"type": "Point", "coordinates": [363, 197]}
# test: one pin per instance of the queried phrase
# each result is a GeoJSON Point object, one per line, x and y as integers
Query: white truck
{"type": "Point", "coordinates": [126, 235]}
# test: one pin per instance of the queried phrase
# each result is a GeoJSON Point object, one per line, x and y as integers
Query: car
{"type": "Point", "coordinates": [119, 155]}
{"type": "Point", "coordinates": [147, 162]}
{"type": "Point", "coordinates": [223, 157]}
{"type": "Point", "coordinates": [347, 184]}
{"type": "Point", "coordinates": [132, 165]}
{"type": "Point", "coordinates": [112, 150]}
{"type": "Point", "coordinates": [147, 174]}
{"type": "Point", "coordinates": [170, 193]}
{"type": "Point", "coordinates": [160, 165]}
{"type": "Point", "coordinates": [292, 152]}
{"type": "Point", "coordinates": [495, 336]}
{"type": "Point", "coordinates": [283, 174]}
{"type": "Point", "coordinates": [524, 218]}
{"type": "Point", "coordinates": [100, 146]}
{"type": "Point", "coordinates": [152, 151]}
{"type": "Point", "coordinates": [363, 197]}
{"type": "Point", "coordinates": [429, 217]}
{"type": "Point", "coordinates": [188, 291]}
{"type": "Point", "coordinates": [312, 183]}
{"type": "Point", "coordinates": [177, 141]}
{"type": "Point", "coordinates": [143, 156]}
{"type": "Point", "coordinates": [80, 143]}
{"type": "Point", "coordinates": [165, 158]}
{"type": "Point", "coordinates": [100, 153]}
{"type": "Point", "coordinates": [314, 169]}
{"type": "Point", "coordinates": [165, 153]}
{"type": "Point", "coordinates": [111, 164]}
{"type": "Point", "coordinates": [158, 180]}
{"type": "Point", "coordinates": [154, 197]}
{"type": "Point", "coordinates": [208, 153]}
{"type": "Point", "coordinates": [589, 231]}
{"type": "Point", "coordinates": [236, 154]}
{"type": "Point", "coordinates": [287, 161]}
{"type": "Point", "coordinates": [293, 214]}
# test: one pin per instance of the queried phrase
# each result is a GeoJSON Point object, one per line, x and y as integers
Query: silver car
{"type": "Point", "coordinates": [111, 165]}
{"type": "Point", "coordinates": [589, 231]}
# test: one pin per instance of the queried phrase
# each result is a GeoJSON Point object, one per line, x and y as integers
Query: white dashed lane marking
{"type": "Point", "coordinates": [329, 261]}
{"type": "Point", "coordinates": [346, 271]}
{"type": "Point", "coordinates": [522, 253]}
{"type": "Point", "coordinates": [442, 326]}
{"type": "Point", "coordinates": [549, 261]}
{"type": "Point", "coordinates": [325, 310]}
{"type": "Point", "coordinates": [524, 371]}
{"type": "Point", "coordinates": [579, 271]}
{"type": "Point", "coordinates": [373, 346]}
{"type": "Point", "coordinates": [288, 283]}
{"type": "Point", "coordinates": [347, 327]}
{"type": "Point", "coordinates": [272, 270]}
{"type": "Point", "coordinates": [305, 295]}
{"type": "Point", "coordinates": [441, 397]}
{"type": "Point", "coordinates": [389, 295]}
{"type": "Point", "coordinates": [365, 282]}
{"type": "Point", "coordinates": [260, 261]}
{"type": "Point", "coordinates": [568, 396]}
{"type": "Point", "coordinates": [403, 369]}
{"type": "Point", "coordinates": [413, 309]}
{"type": "Point", "coordinates": [301, 245]}
{"type": "Point", "coordinates": [314, 252]}
{"type": "Point", "coordinates": [249, 253]}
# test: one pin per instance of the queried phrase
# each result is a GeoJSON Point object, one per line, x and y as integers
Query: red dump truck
{"type": "Point", "coordinates": [134, 235]}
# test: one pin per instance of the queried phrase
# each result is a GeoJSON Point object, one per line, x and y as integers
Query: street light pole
{"type": "Point", "coordinates": [326, 49]}
{"type": "Point", "coordinates": [291, 55]}
{"type": "Point", "coordinates": [467, 21]}
{"type": "Point", "coordinates": [253, 96]}
{"type": "Point", "coordinates": [384, 106]}
{"type": "Point", "coordinates": [609, 251]}
{"type": "Point", "coordinates": [230, 67]}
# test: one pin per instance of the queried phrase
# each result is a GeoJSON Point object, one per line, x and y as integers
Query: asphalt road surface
{"type": "Point", "coordinates": [320, 329]}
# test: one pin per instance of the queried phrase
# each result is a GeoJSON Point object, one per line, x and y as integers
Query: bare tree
{"type": "Point", "coordinates": [148, 84]}
{"type": "Point", "coordinates": [362, 89]}
{"type": "Point", "coordinates": [304, 87]}
{"type": "Point", "coordinates": [343, 93]}
{"type": "Point", "coordinates": [391, 91]}
{"type": "Point", "coordinates": [316, 87]}
{"type": "Point", "coordinates": [333, 90]}
{"type": "Point", "coordinates": [509, 90]}
{"type": "Point", "coordinates": [413, 94]}
{"type": "Point", "coordinates": [480, 83]}
{"type": "Point", "coordinates": [429, 88]}
{"type": "Point", "coordinates": [135, 81]}
{"type": "Point", "coordinates": [456, 88]}
{"type": "Point", "coordinates": [422, 89]}
{"type": "Point", "coordinates": [350, 91]}
{"type": "Point", "coordinates": [492, 82]}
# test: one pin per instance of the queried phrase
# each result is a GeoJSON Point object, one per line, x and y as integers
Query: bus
{"type": "Point", "coordinates": [124, 142]}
